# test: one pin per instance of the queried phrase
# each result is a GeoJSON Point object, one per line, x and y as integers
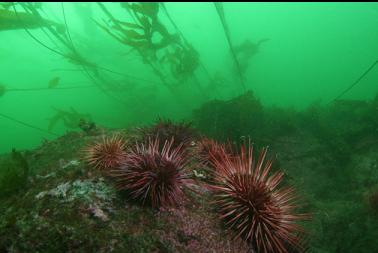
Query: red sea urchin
{"type": "Point", "coordinates": [251, 202]}
{"type": "Point", "coordinates": [165, 129]}
{"type": "Point", "coordinates": [153, 174]}
{"type": "Point", "coordinates": [106, 154]}
{"type": "Point", "coordinates": [209, 150]}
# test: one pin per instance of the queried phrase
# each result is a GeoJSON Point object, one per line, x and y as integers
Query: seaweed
{"type": "Point", "coordinates": [220, 10]}
{"type": "Point", "coordinates": [150, 38]}
{"type": "Point", "coordinates": [245, 51]}
{"type": "Point", "coordinates": [11, 20]}
{"type": "Point", "coordinates": [233, 119]}
{"type": "Point", "coordinates": [14, 174]}
{"type": "Point", "coordinates": [71, 119]}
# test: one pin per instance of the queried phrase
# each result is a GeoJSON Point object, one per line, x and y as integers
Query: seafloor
{"type": "Point", "coordinates": [328, 153]}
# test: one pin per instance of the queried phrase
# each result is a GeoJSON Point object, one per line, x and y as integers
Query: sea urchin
{"type": "Point", "coordinates": [165, 129]}
{"type": "Point", "coordinates": [209, 150]}
{"type": "Point", "coordinates": [106, 154]}
{"type": "Point", "coordinates": [153, 174]}
{"type": "Point", "coordinates": [251, 202]}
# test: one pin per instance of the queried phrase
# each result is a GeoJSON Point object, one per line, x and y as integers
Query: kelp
{"type": "Point", "coordinates": [245, 51]}
{"type": "Point", "coordinates": [150, 38]}
{"type": "Point", "coordinates": [71, 119]}
{"type": "Point", "coordinates": [31, 126]}
{"type": "Point", "coordinates": [183, 62]}
{"type": "Point", "coordinates": [53, 83]}
{"type": "Point", "coordinates": [115, 27]}
{"type": "Point", "coordinates": [357, 81]}
{"type": "Point", "coordinates": [10, 20]}
{"type": "Point", "coordinates": [64, 46]}
{"type": "Point", "coordinates": [14, 172]}
{"type": "Point", "coordinates": [220, 10]}
{"type": "Point", "coordinates": [195, 61]}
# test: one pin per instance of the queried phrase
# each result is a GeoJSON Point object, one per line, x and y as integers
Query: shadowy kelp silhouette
{"type": "Point", "coordinates": [14, 172]}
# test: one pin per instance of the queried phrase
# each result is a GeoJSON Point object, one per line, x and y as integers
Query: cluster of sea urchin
{"type": "Point", "coordinates": [251, 202]}
{"type": "Point", "coordinates": [154, 175]}
{"type": "Point", "coordinates": [107, 154]}
{"type": "Point", "coordinates": [247, 195]}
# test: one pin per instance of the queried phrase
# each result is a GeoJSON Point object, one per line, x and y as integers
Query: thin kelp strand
{"type": "Point", "coordinates": [27, 124]}
{"type": "Point", "coordinates": [356, 82]}
{"type": "Point", "coordinates": [198, 84]}
{"type": "Point", "coordinates": [98, 67]}
{"type": "Point", "coordinates": [128, 76]}
{"type": "Point", "coordinates": [65, 24]}
{"type": "Point", "coordinates": [118, 26]}
{"type": "Point", "coordinates": [93, 79]}
{"type": "Point", "coordinates": [46, 88]}
{"type": "Point", "coordinates": [136, 78]}
{"type": "Point", "coordinates": [173, 23]}
{"type": "Point", "coordinates": [220, 11]}
{"type": "Point", "coordinates": [34, 11]}
{"type": "Point", "coordinates": [35, 38]}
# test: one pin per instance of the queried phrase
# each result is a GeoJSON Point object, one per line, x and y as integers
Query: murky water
{"type": "Point", "coordinates": [298, 77]}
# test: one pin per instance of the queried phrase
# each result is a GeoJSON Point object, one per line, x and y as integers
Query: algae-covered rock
{"type": "Point", "coordinates": [85, 190]}
{"type": "Point", "coordinates": [59, 203]}
{"type": "Point", "coordinates": [232, 119]}
{"type": "Point", "coordinates": [70, 207]}
{"type": "Point", "coordinates": [14, 172]}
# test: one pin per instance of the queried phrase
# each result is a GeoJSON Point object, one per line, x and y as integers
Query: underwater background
{"type": "Point", "coordinates": [313, 52]}
{"type": "Point", "coordinates": [300, 78]}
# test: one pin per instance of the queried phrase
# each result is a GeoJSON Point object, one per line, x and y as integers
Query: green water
{"type": "Point", "coordinates": [308, 61]}
{"type": "Point", "coordinates": [315, 51]}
